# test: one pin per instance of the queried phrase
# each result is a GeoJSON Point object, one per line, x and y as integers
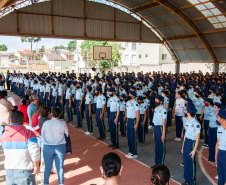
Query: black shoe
{"type": "Point", "coordinates": [185, 183]}
{"type": "Point", "coordinates": [111, 146]}
{"type": "Point", "coordinates": [108, 130]}
{"type": "Point", "coordinates": [154, 166]}
{"type": "Point", "coordinates": [201, 137]}
{"type": "Point", "coordinates": [115, 147]}
{"type": "Point", "coordinates": [80, 126]}
{"type": "Point", "coordinates": [100, 138]}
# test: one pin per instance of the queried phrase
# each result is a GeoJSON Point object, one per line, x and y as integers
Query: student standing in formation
{"type": "Point", "coordinates": [133, 118]}
{"type": "Point", "coordinates": [122, 116]}
{"type": "Point", "coordinates": [60, 98]}
{"type": "Point", "coordinates": [221, 148]}
{"type": "Point", "coordinates": [88, 109]}
{"type": "Point", "coordinates": [159, 133]}
{"type": "Point", "coordinates": [68, 98]}
{"type": "Point", "coordinates": [114, 117]}
{"type": "Point", "coordinates": [100, 108]}
{"type": "Point", "coordinates": [190, 145]}
{"type": "Point", "coordinates": [79, 97]}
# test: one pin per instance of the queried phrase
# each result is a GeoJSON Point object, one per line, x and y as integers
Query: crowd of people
{"type": "Point", "coordinates": [134, 104]}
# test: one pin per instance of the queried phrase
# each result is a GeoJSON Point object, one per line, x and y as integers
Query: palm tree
{"type": "Point", "coordinates": [31, 40]}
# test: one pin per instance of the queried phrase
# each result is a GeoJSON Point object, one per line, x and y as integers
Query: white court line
{"type": "Point", "coordinates": [96, 144]}
{"type": "Point", "coordinates": [85, 152]}
{"type": "Point", "coordinates": [39, 177]}
{"type": "Point", "coordinates": [68, 174]}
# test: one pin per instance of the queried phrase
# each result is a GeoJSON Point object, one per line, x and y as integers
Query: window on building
{"type": "Point", "coordinates": [126, 57]}
{"type": "Point", "coordinates": [140, 56]}
{"type": "Point", "coordinates": [146, 55]}
{"type": "Point", "coordinates": [134, 46]}
{"type": "Point", "coordinates": [164, 56]}
{"type": "Point", "coordinates": [133, 59]}
{"type": "Point", "coordinates": [126, 44]}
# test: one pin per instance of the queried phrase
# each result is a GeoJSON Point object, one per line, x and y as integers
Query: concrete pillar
{"type": "Point", "coordinates": [177, 68]}
{"type": "Point", "coordinates": [216, 68]}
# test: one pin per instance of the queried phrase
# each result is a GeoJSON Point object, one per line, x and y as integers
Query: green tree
{"type": "Point", "coordinates": [59, 47]}
{"type": "Point", "coordinates": [72, 45]}
{"type": "Point", "coordinates": [42, 49]}
{"type": "Point", "coordinates": [3, 47]}
{"type": "Point", "coordinates": [31, 40]}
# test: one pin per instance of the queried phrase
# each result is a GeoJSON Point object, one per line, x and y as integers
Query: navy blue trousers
{"type": "Point", "coordinates": [160, 147]}
{"type": "Point", "coordinates": [89, 120]}
{"type": "Point", "coordinates": [41, 97]}
{"type": "Point", "coordinates": [61, 106]}
{"type": "Point", "coordinates": [122, 123]}
{"type": "Point", "coordinates": [141, 130]}
{"type": "Point", "coordinates": [74, 104]}
{"type": "Point", "coordinates": [108, 112]}
{"type": "Point", "coordinates": [94, 107]}
{"type": "Point", "coordinates": [53, 98]}
{"type": "Point", "coordinates": [100, 124]}
{"type": "Point", "coordinates": [78, 113]}
{"type": "Point", "coordinates": [20, 90]}
{"type": "Point", "coordinates": [113, 129]}
{"type": "Point", "coordinates": [69, 111]}
{"type": "Point", "coordinates": [146, 125]}
{"type": "Point", "coordinates": [47, 100]}
{"type": "Point", "coordinates": [169, 118]}
{"type": "Point", "coordinates": [179, 126]}
{"type": "Point", "coordinates": [221, 167]}
{"type": "Point", "coordinates": [14, 87]}
{"type": "Point", "coordinates": [132, 136]}
{"type": "Point", "coordinates": [212, 143]}
{"type": "Point", "coordinates": [189, 163]}
{"type": "Point", "coordinates": [206, 128]}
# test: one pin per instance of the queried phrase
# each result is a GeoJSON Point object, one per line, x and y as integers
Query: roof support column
{"type": "Point", "coordinates": [177, 67]}
{"type": "Point", "coordinates": [216, 68]}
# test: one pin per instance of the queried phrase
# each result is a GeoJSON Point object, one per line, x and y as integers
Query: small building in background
{"type": "Point", "coordinates": [4, 59]}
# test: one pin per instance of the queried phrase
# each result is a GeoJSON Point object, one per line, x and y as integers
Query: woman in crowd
{"type": "Point", "coordinates": [111, 168]}
{"type": "Point", "coordinates": [23, 108]}
{"type": "Point", "coordinates": [160, 175]}
{"type": "Point", "coordinates": [54, 145]}
{"type": "Point", "coordinates": [35, 117]}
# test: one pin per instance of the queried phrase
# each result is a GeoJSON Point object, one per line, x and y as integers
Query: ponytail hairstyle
{"type": "Point", "coordinates": [160, 175]}
{"type": "Point", "coordinates": [111, 164]}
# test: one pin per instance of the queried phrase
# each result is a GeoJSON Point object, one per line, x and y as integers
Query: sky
{"type": "Point", "coordinates": [14, 43]}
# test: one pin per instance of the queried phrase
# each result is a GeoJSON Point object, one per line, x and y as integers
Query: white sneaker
{"type": "Point", "coordinates": [149, 127]}
{"type": "Point", "coordinates": [132, 156]}
{"type": "Point", "coordinates": [127, 155]}
{"type": "Point", "coordinates": [216, 177]}
{"type": "Point", "coordinates": [87, 133]}
{"type": "Point", "coordinates": [176, 139]}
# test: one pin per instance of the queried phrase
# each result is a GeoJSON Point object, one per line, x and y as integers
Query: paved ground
{"type": "Point", "coordinates": [82, 167]}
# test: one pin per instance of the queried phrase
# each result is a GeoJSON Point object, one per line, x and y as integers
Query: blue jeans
{"type": "Point", "coordinates": [20, 177]}
{"type": "Point", "coordinates": [57, 153]}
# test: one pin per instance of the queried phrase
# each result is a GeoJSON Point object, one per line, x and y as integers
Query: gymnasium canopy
{"type": "Point", "coordinates": [192, 30]}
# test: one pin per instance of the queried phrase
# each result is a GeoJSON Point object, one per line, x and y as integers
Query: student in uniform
{"type": "Point", "coordinates": [133, 118]}
{"type": "Point", "coordinates": [68, 99]}
{"type": "Point", "coordinates": [213, 131]}
{"type": "Point", "coordinates": [88, 110]}
{"type": "Point", "coordinates": [159, 133]}
{"type": "Point", "coordinates": [60, 95]}
{"type": "Point", "coordinates": [221, 148]}
{"type": "Point", "coordinates": [100, 108]}
{"type": "Point", "coordinates": [179, 111]}
{"type": "Point", "coordinates": [73, 89]}
{"type": "Point", "coordinates": [122, 116]}
{"type": "Point", "coordinates": [54, 96]}
{"type": "Point", "coordinates": [35, 87]}
{"type": "Point", "coordinates": [47, 93]}
{"type": "Point", "coordinates": [114, 118]}
{"type": "Point", "coordinates": [143, 117]}
{"type": "Point", "coordinates": [147, 102]}
{"type": "Point", "coordinates": [152, 107]}
{"type": "Point", "coordinates": [42, 88]}
{"type": "Point", "coordinates": [79, 98]}
{"type": "Point", "coordinates": [207, 110]}
{"type": "Point", "coordinates": [190, 145]}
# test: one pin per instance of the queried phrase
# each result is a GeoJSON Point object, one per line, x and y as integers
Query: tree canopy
{"type": "Point", "coordinates": [3, 47]}
{"type": "Point", "coordinates": [87, 53]}
{"type": "Point", "coordinates": [72, 45]}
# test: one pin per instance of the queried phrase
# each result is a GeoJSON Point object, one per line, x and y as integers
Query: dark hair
{"type": "Point", "coordinates": [24, 100]}
{"type": "Point", "coordinates": [56, 112]}
{"type": "Point", "coordinates": [160, 175]}
{"type": "Point", "coordinates": [3, 94]}
{"type": "Point", "coordinates": [111, 164]}
{"type": "Point", "coordinates": [17, 117]}
{"type": "Point", "coordinates": [44, 111]}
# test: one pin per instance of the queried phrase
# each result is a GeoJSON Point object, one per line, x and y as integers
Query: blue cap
{"type": "Point", "coordinates": [54, 84]}
{"type": "Point", "coordinates": [99, 89]}
{"type": "Point", "coordinates": [68, 84]}
{"type": "Point", "coordinates": [188, 100]}
{"type": "Point", "coordinates": [168, 88]}
{"type": "Point", "coordinates": [164, 91]}
{"type": "Point", "coordinates": [140, 98]}
{"type": "Point", "coordinates": [89, 88]}
{"type": "Point", "coordinates": [134, 88]}
{"type": "Point", "coordinates": [222, 114]}
{"type": "Point", "coordinates": [80, 83]}
{"type": "Point", "coordinates": [133, 93]}
{"type": "Point", "coordinates": [111, 89]}
{"type": "Point", "coordinates": [110, 84]}
{"type": "Point", "coordinates": [139, 85]}
{"type": "Point", "coordinates": [161, 98]}
{"type": "Point", "coordinates": [200, 93]}
{"type": "Point", "coordinates": [209, 100]}
{"type": "Point", "coordinates": [123, 96]}
{"type": "Point", "coordinates": [217, 104]}
{"type": "Point", "coordinates": [146, 94]}
{"type": "Point", "coordinates": [152, 88]}
{"type": "Point", "coordinates": [191, 108]}
{"type": "Point", "coordinates": [123, 86]}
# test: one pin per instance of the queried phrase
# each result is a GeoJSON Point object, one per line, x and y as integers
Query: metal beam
{"type": "Point", "coordinates": [88, 9]}
{"type": "Point", "coordinates": [84, 16]}
{"type": "Point", "coordinates": [169, 24]}
{"type": "Point", "coordinates": [145, 7]}
{"type": "Point", "coordinates": [181, 37]}
{"type": "Point", "coordinates": [114, 23]}
{"type": "Point", "coordinates": [3, 3]}
{"type": "Point", "coordinates": [199, 34]}
{"type": "Point", "coordinates": [51, 10]}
